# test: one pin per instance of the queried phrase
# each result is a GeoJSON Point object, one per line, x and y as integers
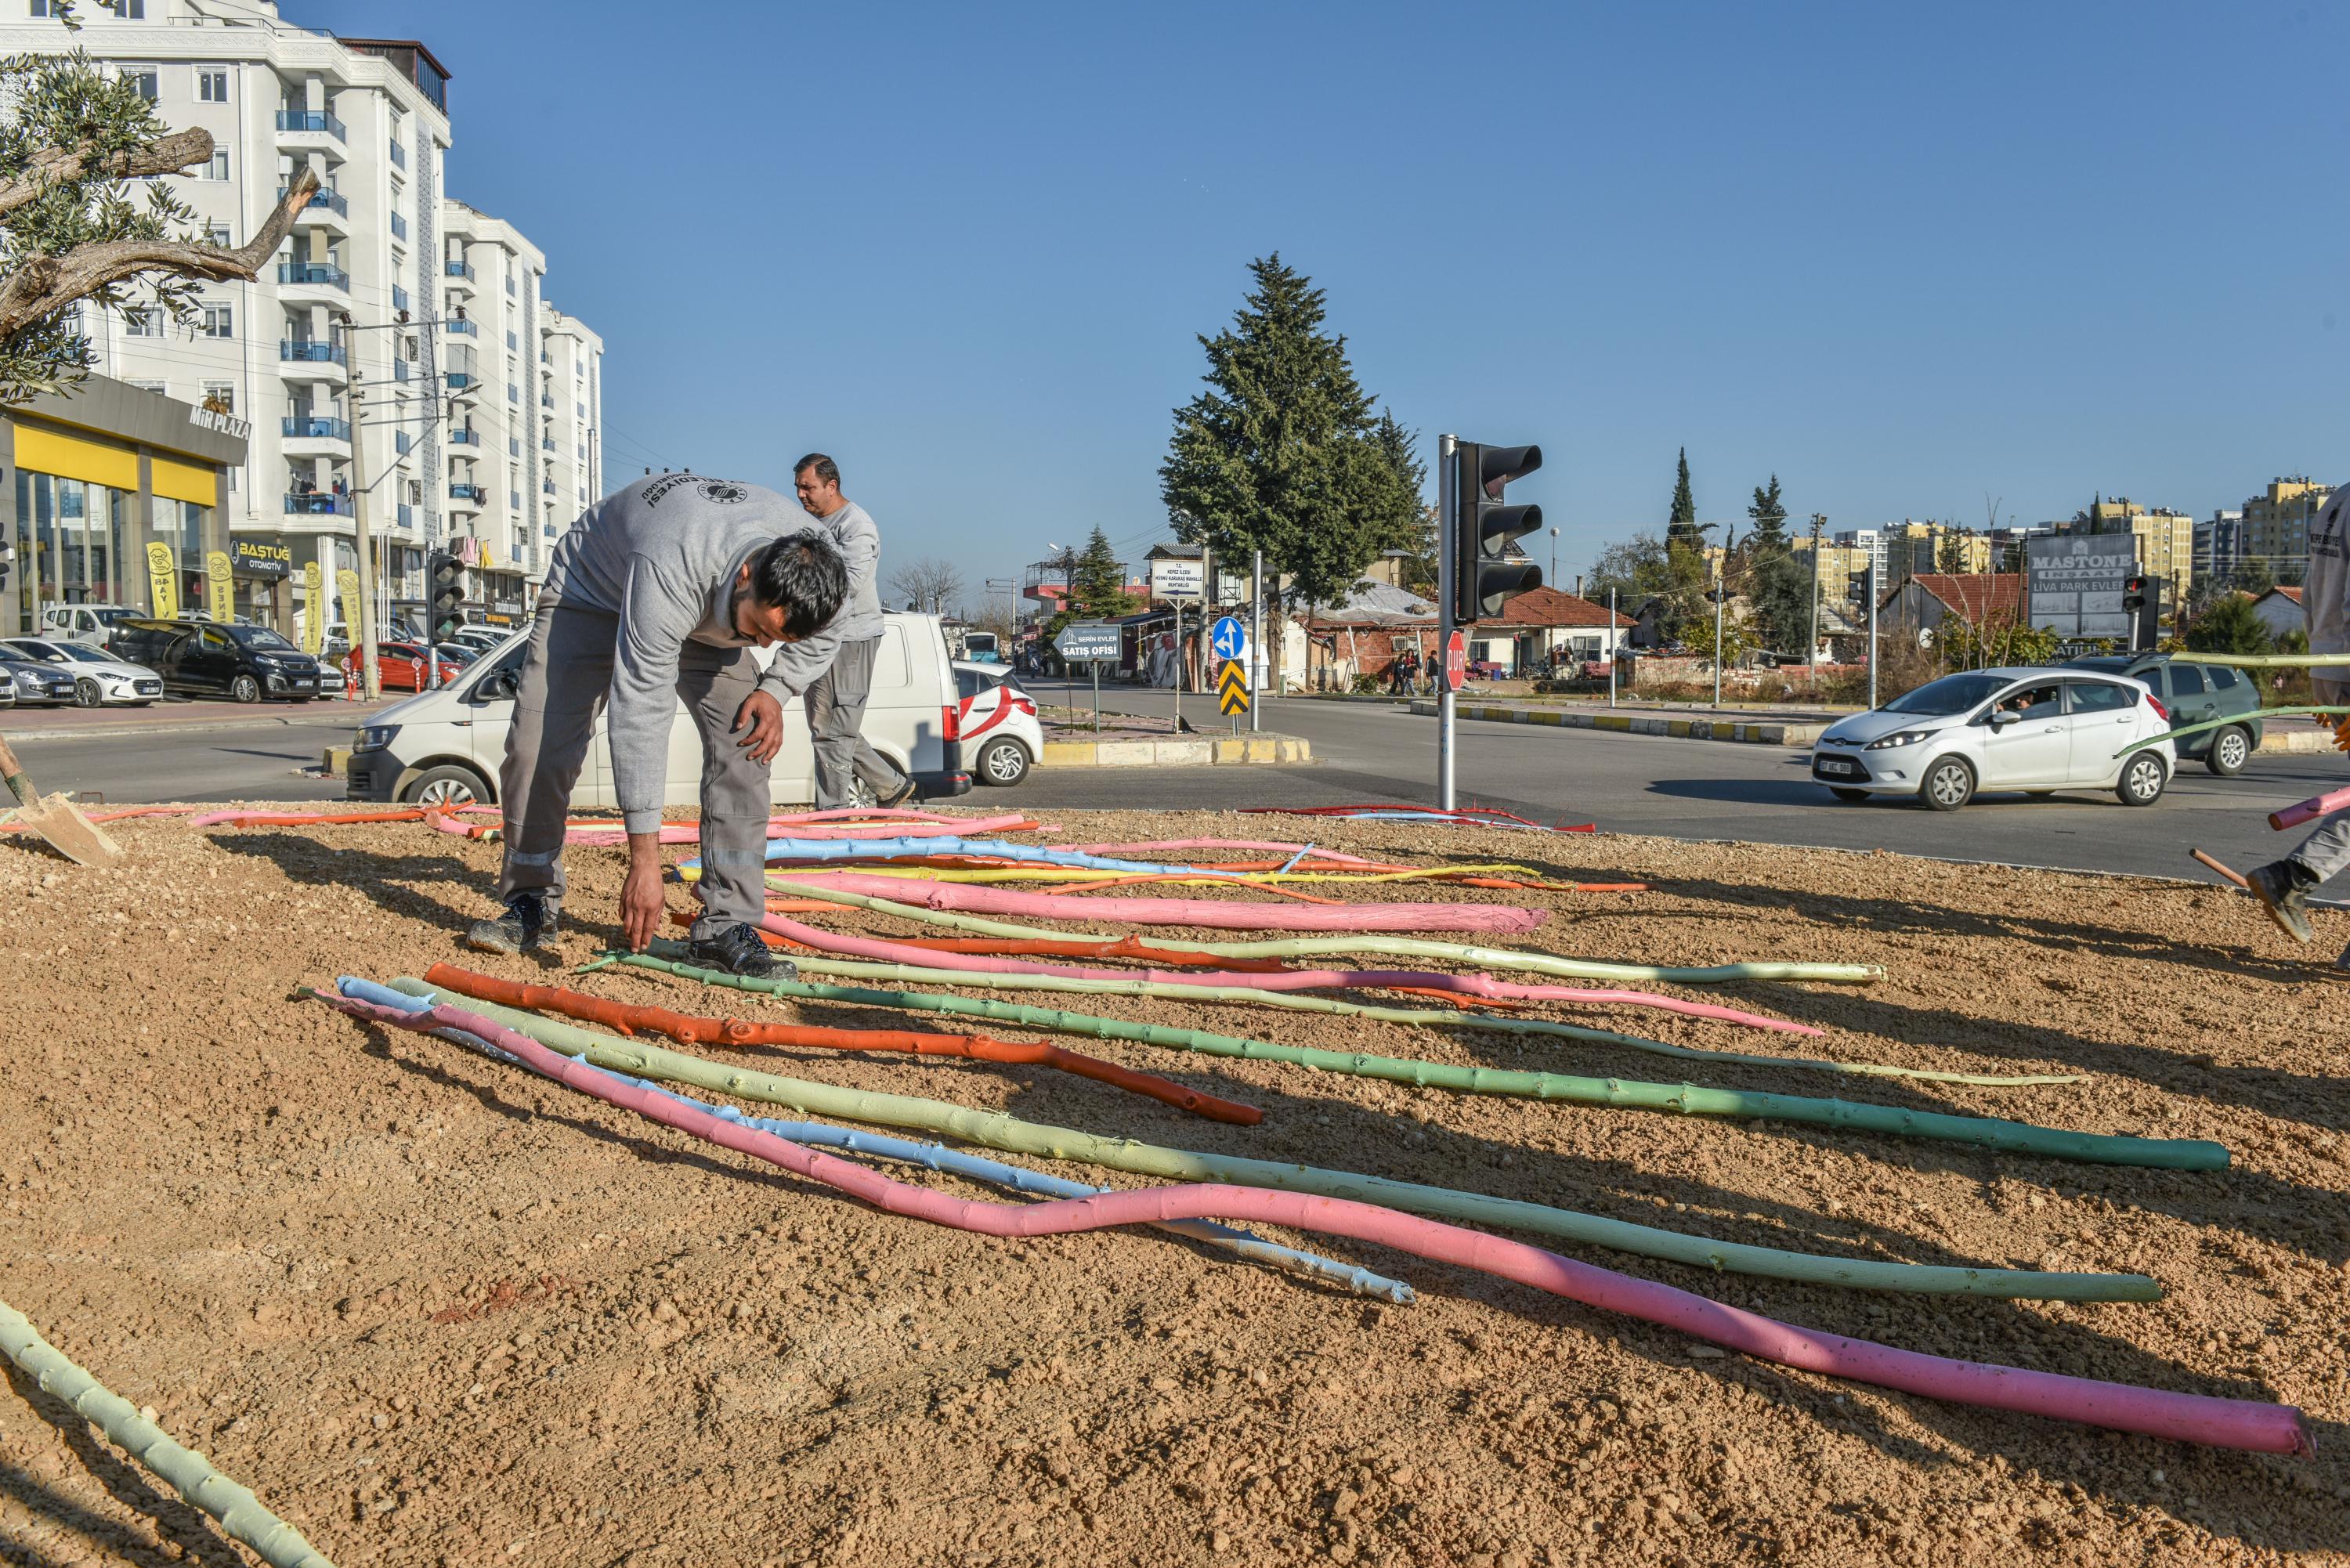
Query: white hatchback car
{"type": "Point", "coordinates": [1002, 734]}
{"type": "Point", "coordinates": [2038, 731]}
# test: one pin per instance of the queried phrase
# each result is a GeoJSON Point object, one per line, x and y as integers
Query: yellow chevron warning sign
{"type": "Point", "coordinates": [1231, 689]}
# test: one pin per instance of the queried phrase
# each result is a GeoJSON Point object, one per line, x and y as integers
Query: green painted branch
{"type": "Point", "coordinates": [2223, 723]}
{"type": "Point", "coordinates": [1402, 947]}
{"type": "Point", "coordinates": [994, 1130]}
{"type": "Point", "coordinates": [189, 1472]}
{"type": "Point", "coordinates": [2264, 660]}
{"type": "Point", "coordinates": [1984, 1132]}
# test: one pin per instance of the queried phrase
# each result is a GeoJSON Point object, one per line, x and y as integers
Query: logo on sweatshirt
{"type": "Point", "coordinates": [725, 491]}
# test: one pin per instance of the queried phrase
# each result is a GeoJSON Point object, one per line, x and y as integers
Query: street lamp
{"type": "Point", "coordinates": [1553, 579]}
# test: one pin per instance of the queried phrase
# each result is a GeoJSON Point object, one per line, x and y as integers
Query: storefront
{"type": "Point", "coordinates": [263, 571]}
{"type": "Point", "coordinates": [116, 497]}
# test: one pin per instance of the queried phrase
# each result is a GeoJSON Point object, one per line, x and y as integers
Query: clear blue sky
{"type": "Point", "coordinates": [1902, 255]}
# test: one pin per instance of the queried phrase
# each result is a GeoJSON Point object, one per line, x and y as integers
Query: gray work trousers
{"type": "Point", "coordinates": [565, 676]}
{"type": "Point", "coordinates": [835, 716]}
{"type": "Point", "coordinates": [2326, 852]}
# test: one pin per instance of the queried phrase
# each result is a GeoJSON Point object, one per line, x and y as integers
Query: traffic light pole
{"type": "Point", "coordinates": [1447, 519]}
{"type": "Point", "coordinates": [371, 670]}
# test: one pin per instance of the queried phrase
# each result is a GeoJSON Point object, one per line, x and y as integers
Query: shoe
{"type": "Point", "coordinates": [737, 950]}
{"type": "Point", "coordinates": [899, 796]}
{"type": "Point", "coordinates": [528, 919]}
{"type": "Point", "coordinates": [2277, 886]}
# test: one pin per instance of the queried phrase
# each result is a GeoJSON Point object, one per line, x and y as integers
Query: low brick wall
{"type": "Point", "coordinates": [1178, 751]}
{"type": "Point", "coordinates": [1757, 731]}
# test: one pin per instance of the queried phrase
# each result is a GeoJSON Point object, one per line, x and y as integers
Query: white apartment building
{"type": "Point", "coordinates": [390, 362]}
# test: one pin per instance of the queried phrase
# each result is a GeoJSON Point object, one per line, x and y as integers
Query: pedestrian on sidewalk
{"type": "Point", "coordinates": [834, 689]}
{"type": "Point", "coordinates": [656, 596]}
{"type": "Point", "coordinates": [2284, 886]}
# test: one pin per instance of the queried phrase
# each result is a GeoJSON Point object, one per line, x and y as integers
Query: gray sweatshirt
{"type": "Point", "coordinates": [852, 532]}
{"type": "Point", "coordinates": [662, 554]}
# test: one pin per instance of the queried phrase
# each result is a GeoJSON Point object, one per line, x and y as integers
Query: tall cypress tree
{"type": "Point", "coordinates": [1681, 527]}
{"type": "Point", "coordinates": [1281, 453]}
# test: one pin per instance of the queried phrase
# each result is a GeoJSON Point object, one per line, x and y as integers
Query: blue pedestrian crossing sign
{"type": "Point", "coordinates": [1230, 638]}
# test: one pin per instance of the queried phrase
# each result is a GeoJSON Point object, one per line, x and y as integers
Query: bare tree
{"type": "Point", "coordinates": [72, 136]}
{"type": "Point", "coordinates": [929, 585]}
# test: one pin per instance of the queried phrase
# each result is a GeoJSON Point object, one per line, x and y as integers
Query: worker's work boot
{"type": "Point", "coordinates": [528, 921]}
{"type": "Point", "coordinates": [737, 950]}
{"type": "Point", "coordinates": [2281, 887]}
{"type": "Point", "coordinates": [900, 795]}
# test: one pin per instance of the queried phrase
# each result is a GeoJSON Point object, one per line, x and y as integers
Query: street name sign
{"type": "Point", "coordinates": [1084, 640]}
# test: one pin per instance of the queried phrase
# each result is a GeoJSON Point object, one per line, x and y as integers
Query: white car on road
{"type": "Point", "coordinates": [99, 676]}
{"type": "Point", "coordinates": [1002, 734]}
{"type": "Point", "coordinates": [2037, 731]}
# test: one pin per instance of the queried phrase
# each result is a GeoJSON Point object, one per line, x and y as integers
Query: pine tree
{"type": "Point", "coordinates": [1097, 584]}
{"type": "Point", "coordinates": [1770, 515]}
{"type": "Point", "coordinates": [1282, 453]}
{"type": "Point", "coordinates": [1681, 527]}
{"type": "Point", "coordinates": [1401, 447]}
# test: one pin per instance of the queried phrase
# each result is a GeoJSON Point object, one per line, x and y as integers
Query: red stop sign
{"type": "Point", "coordinates": [1456, 661]}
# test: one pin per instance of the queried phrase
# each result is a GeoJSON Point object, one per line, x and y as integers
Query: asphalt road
{"type": "Point", "coordinates": [1371, 752]}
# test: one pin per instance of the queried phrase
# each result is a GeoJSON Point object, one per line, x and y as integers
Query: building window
{"type": "Point", "coordinates": [216, 234]}
{"type": "Point", "coordinates": [128, 11]}
{"type": "Point", "coordinates": [511, 345]}
{"type": "Point", "coordinates": [221, 397]}
{"type": "Point", "coordinates": [144, 321]}
{"type": "Point", "coordinates": [142, 77]}
{"type": "Point", "coordinates": [218, 321]}
{"type": "Point", "coordinates": [220, 163]}
{"type": "Point", "coordinates": [212, 87]}
{"type": "Point", "coordinates": [514, 394]}
{"type": "Point", "coordinates": [45, 9]}
{"type": "Point", "coordinates": [160, 388]}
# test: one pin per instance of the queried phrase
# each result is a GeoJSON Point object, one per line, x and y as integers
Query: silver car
{"type": "Point", "coordinates": [2037, 731]}
{"type": "Point", "coordinates": [97, 675]}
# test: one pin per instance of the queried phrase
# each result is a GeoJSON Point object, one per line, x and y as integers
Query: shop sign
{"type": "Point", "coordinates": [507, 607]}
{"type": "Point", "coordinates": [221, 585]}
{"type": "Point", "coordinates": [227, 424]}
{"type": "Point", "coordinates": [262, 558]}
{"type": "Point", "coordinates": [314, 608]}
{"type": "Point", "coordinates": [163, 580]}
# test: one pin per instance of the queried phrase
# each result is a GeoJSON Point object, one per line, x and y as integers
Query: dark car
{"type": "Point", "coordinates": [2195, 694]}
{"type": "Point", "coordinates": [35, 684]}
{"type": "Point", "coordinates": [243, 663]}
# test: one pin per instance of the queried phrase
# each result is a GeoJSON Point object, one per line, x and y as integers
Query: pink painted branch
{"type": "Point", "coordinates": [2247, 1424]}
{"type": "Point", "coordinates": [1414, 919]}
{"type": "Point", "coordinates": [1479, 985]}
{"type": "Point", "coordinates": [2326, 804]}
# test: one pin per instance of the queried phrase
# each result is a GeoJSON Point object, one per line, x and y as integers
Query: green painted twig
{"type": "Point", "coordinates": [994, 1130]}
{"type": "Point", "coordinates": [189, 1473]}
{"type": "Point", "coordinates": [1984, 1132]}
{"type": "Point", "coordinates": [2223, 723]}
{"type": "Point", "coordinates": [2264, 660]}
{"type": "Point", "coordinates": [1367, 942]}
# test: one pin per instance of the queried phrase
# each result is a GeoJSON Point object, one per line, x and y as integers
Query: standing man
{"type": "Point", "coordinates": [836, 692]}
{"type": "Point", "coordinates": [656, 596]}
{"type": "Point", "coordinates": [2284, 886]}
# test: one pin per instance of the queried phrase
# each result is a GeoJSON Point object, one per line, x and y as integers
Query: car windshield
{"type": "Point", "coordinates": [1950, 694]}
{"type": "Point", "coordinates": [259, 636]}
{"type": "Point", "coordinates": [84, 653]}
{"type": "Point", "coordinates": [30, 647]}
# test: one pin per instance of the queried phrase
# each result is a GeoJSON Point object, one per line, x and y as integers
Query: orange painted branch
{"type": "Point", "coordinates": [688, 1029]}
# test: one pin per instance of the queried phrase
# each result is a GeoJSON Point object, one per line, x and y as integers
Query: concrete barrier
{"type": "Point", "coordinates": [1178, 751]}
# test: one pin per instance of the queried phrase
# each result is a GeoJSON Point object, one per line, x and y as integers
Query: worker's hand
{"type": "Point", "coordinates": [642, 900]}
{"type": "Point", "coordinates": [760, 722]}
{"type": "Point", "coordinates": [2341, 734]}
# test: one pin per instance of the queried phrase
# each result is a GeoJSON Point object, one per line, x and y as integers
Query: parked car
{"type": "Point", "coordinates": [460, 653]}
{"type": "Point", "coordinates": [444, 747]}
{"type": "Point", "coordinates": [97, 675]}
{"type": "Point", "coordinates": [244, 663]}
{"type": "Point", "coordinates": [481, 639]}
{"type": "Point", "coordinates": [997, 720]}
{"type": "Point", "coordinates": [33, 684]}
{"type": "Point", "coordinates": [400, 666]}
{"type": "Point", "coordinates": [2038, 731]}
{"type": "Point", "coordinates": [2195, 694]}
{"type": "Point", "coordinates": [81, 623]}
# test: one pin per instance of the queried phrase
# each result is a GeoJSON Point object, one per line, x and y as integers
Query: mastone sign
{"type": "Point", "coordinates": [2073, 583]}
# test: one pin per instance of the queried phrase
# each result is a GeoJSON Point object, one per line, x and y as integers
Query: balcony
{"type": "Point", "coordinates": [461, 327]}
{"type": "Point", "coordinates": [465, 438]}
{"type": "Point", "coordinates": [463, 271]}
{"type": "Point", "coordinates": [547, 444]}
{"type": "Point", "coordinates": [318, 505]}
{"type": "Point", "coordinates": [303, 280]}
{"type": "Point", "coordinates": [468, 497]}
{"type": "Point", "coordinates": [399, 297]}
{"type": "Point", "coordinates": [301, 359]}
{"type": "Point", "coordinates": [307, 122]}
{"type": "Point", "coordinates": [315, 353]}
{"type": "Point", "coordinates": [314, 427]}
{"type": "Point", "coordinates": [399, 226]}
{"type": "Point", "coordinates": [399, 156]}
{"type": "Point", "coordinates": [324, 210]}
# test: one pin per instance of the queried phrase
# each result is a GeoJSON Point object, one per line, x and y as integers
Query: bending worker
{"type": "Point", "coordinates": [837, 682]}
{"type": "Point", "coordinates": [2284, 885]}
{"type": "Point", "coordinates": [656, 596]}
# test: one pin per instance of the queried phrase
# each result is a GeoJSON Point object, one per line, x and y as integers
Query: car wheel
{"type": "Point", "coordinates": [87, 693]}
{"type": "Point", "coordinates": [2231, 748]}
{"type": "Point", "coordinates": [1843, 793]}
{"type": "Point", "coordinates": [1003, 763]}
{"type": "Point", "coordinates": [1948, 785]}
{"type": "Point", "coordinates": [2142, 780]}
{"type": "Point", "coordinates": [446, 785]}
{"type": "Point", "coordinates": [244, 688]}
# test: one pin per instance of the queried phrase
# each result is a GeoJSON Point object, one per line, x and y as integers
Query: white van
{"type": "Point", "coordinates": [445, 747]}
{"type": "Point", "coordinates": [82, 623]}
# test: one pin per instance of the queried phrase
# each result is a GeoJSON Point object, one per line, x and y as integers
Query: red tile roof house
{"type": "Point", "coordinates": [1924, 601]}
{"type": "Point", "coordinates": [2280, 609]}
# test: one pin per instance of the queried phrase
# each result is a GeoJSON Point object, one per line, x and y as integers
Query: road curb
{"type": "Point", "coordinates": [1751, 731]}
{"type": "Point", "coordinates": [1183, 752]}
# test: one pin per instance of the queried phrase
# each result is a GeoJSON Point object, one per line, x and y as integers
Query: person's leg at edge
{"type": "Point", "coordinates": [836, 708]}
{"type": "Point", "coordinates": [2284, 886]}
{"type": "Point", "coordinates": [736, 800]}
{"type": "Point", "coordinates": [565, 672]}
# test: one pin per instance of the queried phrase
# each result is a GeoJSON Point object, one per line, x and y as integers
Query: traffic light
{"type": "Point", "coordinates": [2133, 594]}
{"type": "Point", "coordinates": [1862, 587]}
{"type": "Point", "coordinates": [448, 594]}
{"type": "Point", "coordinates": [1487, 566]}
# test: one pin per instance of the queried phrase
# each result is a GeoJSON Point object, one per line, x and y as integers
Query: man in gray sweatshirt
{"type": "Point", "coordinates": [655, 596]}
{"type": "Point", "coordinates": [840, 678]}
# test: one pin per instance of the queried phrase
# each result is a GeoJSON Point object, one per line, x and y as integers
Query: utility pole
{"type": "Point", "coordinates": [1257, 661]}
{"type": "Point", "coordinates": [1721, 587]}
{"type": "Point", "coordinates": [370, 668]}
{"type": "Point", "coordinates": [1615, 645]}
{"type": "Point", "coordinates": [1812, 653]}
{"type": "Point", "coordinates": [1872, 634]}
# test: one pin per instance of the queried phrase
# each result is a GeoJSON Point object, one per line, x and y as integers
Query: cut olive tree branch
{"type": "Point", "coordinates": [172, 154]}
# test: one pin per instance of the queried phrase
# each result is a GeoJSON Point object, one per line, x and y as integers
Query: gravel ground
{"type": "Point", "coordinates": [436, 1312]}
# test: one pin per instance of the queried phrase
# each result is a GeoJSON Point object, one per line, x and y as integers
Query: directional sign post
{"type": "Point", "coordinates": [1093, 641]}
{"type": "Point", "coordinates": [1229, 642]}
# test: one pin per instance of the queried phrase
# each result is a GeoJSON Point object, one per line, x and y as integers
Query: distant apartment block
{"type": "Point", "coordinates": [2276, 525]}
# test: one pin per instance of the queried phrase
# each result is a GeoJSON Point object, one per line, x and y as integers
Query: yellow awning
{"type": "Point", "coordinates": [183, 481]}
{"type": "Point", "coordinates": [93, 462]}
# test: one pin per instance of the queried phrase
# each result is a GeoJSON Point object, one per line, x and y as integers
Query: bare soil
{"type": "Point", "coordinates": [437, 1312]}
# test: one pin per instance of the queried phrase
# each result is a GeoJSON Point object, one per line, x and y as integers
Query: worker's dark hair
{"type": "Point", "coordinates": [803, 573]}
{"type": "Point", "coordinates": [826, 470]}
